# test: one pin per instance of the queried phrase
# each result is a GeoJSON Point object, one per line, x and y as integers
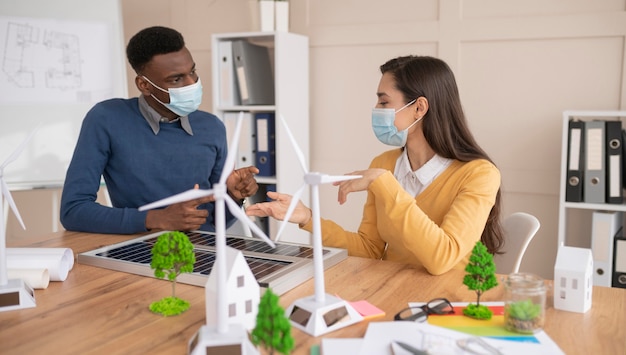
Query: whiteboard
{"type": "Point", "coordinates": [57, 59]}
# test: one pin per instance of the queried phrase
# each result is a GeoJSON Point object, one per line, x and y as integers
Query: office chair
{"type": "Point", "coordinates": [519, 229]}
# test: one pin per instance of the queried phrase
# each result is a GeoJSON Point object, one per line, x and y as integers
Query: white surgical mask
{"type": "Point", "coordinates": [183, 101]}
{"type": "Point", "coordinates": [385, 130]}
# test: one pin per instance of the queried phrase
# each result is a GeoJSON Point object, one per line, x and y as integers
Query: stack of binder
{"type": "Point", "coordinates": [245, 74]}
{"type": "Point", "coordinates": [253, 69]}
{"type": "Point", "coordinates": [595, 162]}
{"type": "Point", "coordinates": [257, 142]}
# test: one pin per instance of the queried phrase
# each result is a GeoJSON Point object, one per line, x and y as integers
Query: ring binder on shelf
{"type": "Point", "coordinates": [623, 157]}
{"type": "Point", "coordinates": [614, 185]}
{"type": "Point", "coordinates": [228, 88]}
{"type": "Point", "coordinates": [605, 227]}
{"type": "Point", "coordinates": [595, 170]}
{"type": "Point", "coordinates": [619, 263]}
{"type": "Point", "coordinates": [254, 73]}
{"type": "Point", "coordinates": [265, 144]}
{"type": "Point", "coordinates": [575, 161]}
{"type": "Point", "coordinates": [245, 152]}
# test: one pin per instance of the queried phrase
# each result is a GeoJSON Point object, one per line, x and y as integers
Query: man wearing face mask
{"type": "Point", "coordinates": [430, 199]}
{"type": "Point", "coordinates": [151, 147]}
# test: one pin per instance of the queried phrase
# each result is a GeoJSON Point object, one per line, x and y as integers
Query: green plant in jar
{"type": "Point", "coordinates": [524, 309]}
{"type": "Point", "coordinates": [524, 316]}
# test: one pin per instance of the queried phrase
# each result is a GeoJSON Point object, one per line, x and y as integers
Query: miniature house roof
{"type": "Point", "coordinates": [235, 265]}
{"type": "Point", "coordinates": [573, 259]}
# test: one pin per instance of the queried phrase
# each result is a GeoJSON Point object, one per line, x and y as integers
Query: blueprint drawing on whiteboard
{"type": "Point", "coordinates": [54, 61]}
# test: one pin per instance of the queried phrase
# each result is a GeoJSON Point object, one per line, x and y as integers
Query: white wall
{"type": "Point", "coordinates": [518, 66]}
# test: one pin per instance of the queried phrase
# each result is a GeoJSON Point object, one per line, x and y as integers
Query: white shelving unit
{"type": "Point", "coordinates": [289, 56]}
{"type": "Point", "coordinates": [564, 205]}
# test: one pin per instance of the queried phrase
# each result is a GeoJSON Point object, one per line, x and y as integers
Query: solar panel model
{"type": "Point", "coordinates": [281, 268]}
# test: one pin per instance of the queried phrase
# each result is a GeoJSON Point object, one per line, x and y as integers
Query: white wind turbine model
{"type": "Point", "coordinates": [17, 293]}
{"type": "Point", "coordinates": [224, 334]}
{"type": "Point", "coordinates": [321, 313]}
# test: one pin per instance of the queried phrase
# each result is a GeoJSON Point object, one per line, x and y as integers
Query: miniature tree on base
{"type": "Point", "coordinates": [480, 277]}
{"type": "Point", "coordinates": [172, 254]}
{"type": "Point", "coordinates": [273, 328]}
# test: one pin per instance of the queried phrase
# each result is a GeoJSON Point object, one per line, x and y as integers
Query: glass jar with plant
{"type": "Point", "coordinates": [524, 310]}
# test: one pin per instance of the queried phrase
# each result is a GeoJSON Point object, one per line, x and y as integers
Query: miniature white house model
{"type": "Point", "coordinates": [573, 272]}
{"type": "Point", "coordinates": [227, 335]}
{"type": "Point", "coordinates": [242, 290]}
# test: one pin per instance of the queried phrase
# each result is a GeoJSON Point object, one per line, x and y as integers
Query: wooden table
{"type": "Point", "coordinates": [101, 311]}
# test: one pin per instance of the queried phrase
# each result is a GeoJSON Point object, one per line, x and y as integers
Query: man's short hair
{"type": "Point", "coordinates": [150, 42]}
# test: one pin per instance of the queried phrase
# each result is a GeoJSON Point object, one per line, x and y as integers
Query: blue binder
{"type": "Point", "coordinates": [269, 187]}
{"type": "Point", "coordinates": [265, 143]}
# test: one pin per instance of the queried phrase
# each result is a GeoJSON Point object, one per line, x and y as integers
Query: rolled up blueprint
{"type": "Point", "coordinates": [36, 278]}
{"type": "Point", "coordinates": [55, 261]}
{"type": "Point", "coordinates": [65, 253]}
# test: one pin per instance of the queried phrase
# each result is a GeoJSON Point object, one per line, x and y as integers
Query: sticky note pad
{"type": "Point", "coordinates": [366, 309]}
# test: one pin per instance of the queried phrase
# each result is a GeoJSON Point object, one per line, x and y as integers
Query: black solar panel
{"type": "Point", "coordinates": [280, 268]}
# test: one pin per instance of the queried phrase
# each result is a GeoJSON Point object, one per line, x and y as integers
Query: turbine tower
{"type": "Point", "coordinates": [224, 334]}
{"type": "Point", "coordinates": [321, 313]}
{"type": "Point", "coordinates": [18, 292]}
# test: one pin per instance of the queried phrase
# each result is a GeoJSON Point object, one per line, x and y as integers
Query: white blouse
{"type": "Point", "coordinates": [414, 182]}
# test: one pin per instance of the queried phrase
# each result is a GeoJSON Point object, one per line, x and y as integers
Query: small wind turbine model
{"type": "Point", "coordinates": [15, 293]}
{"type": "Point", "coordinates": [321, 313]}
{"type": "Point", "coordinates": [225, 334]}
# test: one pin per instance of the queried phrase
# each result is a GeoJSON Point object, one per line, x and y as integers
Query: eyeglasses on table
{"type": "Point", "coordinates": [420, 313]}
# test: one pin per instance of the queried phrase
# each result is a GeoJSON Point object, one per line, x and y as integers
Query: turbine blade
{"type": "Point", "coordinates": [294, 143]}
{"type": "Point", "coordinates": [330, 178]}
{"type": "Point", "coordinates": [229, 165]}
{"type": "Point", "coordinates": [19, 149]}
{"type": "Point", "coordinates": [7, 195]}
{"type": "Point", "coordinates": [292, 206]}
{"type": "Point", "coordinates": [240, 215]}
{"type": "Point", "coordinates": [188, 195]}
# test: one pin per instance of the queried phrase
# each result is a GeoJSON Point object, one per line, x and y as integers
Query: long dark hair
{"type": "Point", "coordinates": [444, 125]}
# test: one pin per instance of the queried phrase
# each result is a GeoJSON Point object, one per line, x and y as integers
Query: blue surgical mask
{"type": "Point", "coordinates": [385, 130]}
{"type": "Point", "coordinates": [183, 101]}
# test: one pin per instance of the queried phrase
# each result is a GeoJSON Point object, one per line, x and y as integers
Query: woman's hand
{"type": "Point", "coordinates": [277, 209]}
{"type": "Point", "coordinates": [360, 184]}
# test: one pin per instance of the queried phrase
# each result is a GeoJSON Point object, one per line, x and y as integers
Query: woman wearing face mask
{"type": "Point", "coordinates": [432, 198]}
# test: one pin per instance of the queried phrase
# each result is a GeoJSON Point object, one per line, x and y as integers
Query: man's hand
{"type": "Point", "coordinates": [241, 182]}
{"type": "Point", "coordinates": [183, 216]}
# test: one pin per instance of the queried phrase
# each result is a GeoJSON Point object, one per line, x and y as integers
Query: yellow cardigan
{"type": "Point", "coordinates": [435, 230]}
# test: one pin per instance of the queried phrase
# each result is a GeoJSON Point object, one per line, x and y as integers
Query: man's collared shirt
{"type": "Point", "coordinates": [154, 118]}
{"type": "Point", "coordinates": [414, 182]}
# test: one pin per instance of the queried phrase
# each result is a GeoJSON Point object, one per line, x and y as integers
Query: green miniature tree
{"type": "Point", "coordinates": [172, 254]}
{"type": "Point", "coordinates": [273, 329]}
{"type": "Point", "coordinates": [480, 277]}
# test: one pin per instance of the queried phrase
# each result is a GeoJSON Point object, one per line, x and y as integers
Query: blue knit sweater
{"type": "Point", "coordinates": [138, 167]}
